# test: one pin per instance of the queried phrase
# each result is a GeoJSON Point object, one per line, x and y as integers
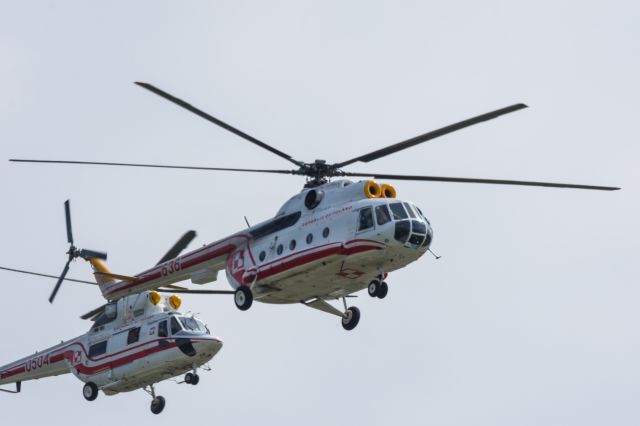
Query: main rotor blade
{"type": "Point", "coordinates": [57, 287]}
{"type": "Point", "coordinates": [46, 275]}
{"type": "Point", "coordinates": [489, 181]}
{"type": "Point", "coordinates": [214, 120]}
{"type": "Point", "coordinates": [177, 248]}
{"type": "Point", "coordinates": [431, 135]}
{"type": "Point", "coordinates": [157, 166]}
{"type": "Point", "coordinates": [67, 215]}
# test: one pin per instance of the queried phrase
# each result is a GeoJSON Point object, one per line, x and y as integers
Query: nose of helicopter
{"type": "Point", "coordinates": [209, 346]}
{"type": "Point", "coordinates": [414, 234]}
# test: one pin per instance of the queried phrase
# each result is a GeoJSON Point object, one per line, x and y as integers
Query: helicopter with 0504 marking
{"type": "Point", "coordinates": [134, 342]}
{"type": "Point", "coordinates": [334, 238]}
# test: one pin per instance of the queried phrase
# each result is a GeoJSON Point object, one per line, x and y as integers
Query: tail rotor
{"type": "Point", "coordinates": [73, 252]}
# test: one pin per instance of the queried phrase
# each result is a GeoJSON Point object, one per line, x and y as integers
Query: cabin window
{"type": "Point", "coordinates": [292, 245]}
{"type": "Point", "coordinates": [98, 349]}
{"type": "Point", "coordinates": [280, 248]}
{"type": "Point", "coordinates": [133, 336]}
{"type": "Point", "coordinates": [398, 211]}
{"type": "Point", "coordinates": [262, 255]}
{"type": "Point", "coordinates": [175, 327]}
{"type": "Point", "coordinates": [162, 329]}
{"type": "Point", "coordinates": [382, 214]}
{"type": "Point", "coordinates": [325, 232]}
{"type": "Point", "coordinates": [366, 219]}
{"type": "Point", "coordinates": [309, 238]}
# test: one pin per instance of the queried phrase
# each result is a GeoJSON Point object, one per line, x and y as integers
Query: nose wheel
{"type": "Point", "coordinates": [192, 378]}
{"type": "Point", "coordinates": [243, 298]}
{"type": "Point", "coordinates": [378, 289]}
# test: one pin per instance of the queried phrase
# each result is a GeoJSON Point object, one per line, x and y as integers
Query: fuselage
{"type": "Point", "coordinates": [329, 247]}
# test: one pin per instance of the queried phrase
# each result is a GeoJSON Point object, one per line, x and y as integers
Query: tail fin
{"type": "Point", "coordinates": [99, 266]}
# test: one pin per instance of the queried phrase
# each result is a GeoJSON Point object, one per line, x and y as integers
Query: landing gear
{"type": "Point", "coordinates": [243, 298]}
{"type": "Point", "coordinates": [383, 290]}
{"type": "Point", "coordinates": [351, 318]}
{"type": "Point", "coordinates": [378, 289]}
{"type": "Point", "coordinates": [90, 391]}
{"type": "Point", "coordinates": [374, 287]}
{"type": "Point", "coordinates": [191, 379]}
{"type": "Point", "coordinates": [158, 402]}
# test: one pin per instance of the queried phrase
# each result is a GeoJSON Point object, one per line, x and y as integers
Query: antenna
{"type": "Point", "coordinates": [434, 255]}
{"type": "Point", "coordinates": [247, 220]}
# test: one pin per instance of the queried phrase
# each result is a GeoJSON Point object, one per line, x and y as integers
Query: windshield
{"type": "Point", "coordinates": [193, 324]}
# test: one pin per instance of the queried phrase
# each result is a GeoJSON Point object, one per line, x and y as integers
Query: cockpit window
{"type": "Point", "coordinates": [366, 219]}
{"type": "Point", "coordinates": [410, 210]}
{"type": "Point", "coordinates": [398, 211]}
{"type": "Point", "coordinates": [382, 214]}
{"type": "Point", "coordinates": [192, 324]}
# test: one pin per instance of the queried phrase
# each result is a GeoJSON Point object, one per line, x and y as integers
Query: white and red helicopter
{"type": "Point", "coordinates": [134, 342]}
{"type": "Point", "coordinates": [325, 243]}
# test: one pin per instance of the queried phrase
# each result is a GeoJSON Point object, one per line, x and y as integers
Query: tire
{"type": "Point", "coordinates": [383, 290]}
{"type": "Point", "coordinates": [243, 298]}
{"type": "Point", "coordinates": [351, 319]}
{"type": "Point", "coordinates": [188, 378]}
{"type": "Point", "coordinates": [157, 405]}
{"type": "Point", "coordinates": [374, 288]}
{"type": "Point", "coordinates": [90, 391]}
{"type": "Point", "coordinates": [196, 380]}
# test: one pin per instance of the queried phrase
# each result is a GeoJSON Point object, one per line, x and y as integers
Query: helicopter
{"type": "Point", "coordinates": [331, 240]}
{"type": "Point", "coordinates": [133, 343]}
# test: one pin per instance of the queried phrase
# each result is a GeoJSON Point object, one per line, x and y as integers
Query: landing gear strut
{"type": "Point", "coordinates": [90, 391]}
{"type": "Point", "coordinates": [243, 298]}
{"type": "Point", "coordinates": [158, 402]}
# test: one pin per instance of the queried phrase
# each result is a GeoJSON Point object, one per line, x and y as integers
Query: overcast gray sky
{"type": "Point", "coordinates": [529, 318]}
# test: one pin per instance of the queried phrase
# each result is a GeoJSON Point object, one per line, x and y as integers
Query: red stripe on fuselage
{"type": "Point", "coordinates": [64, 353]}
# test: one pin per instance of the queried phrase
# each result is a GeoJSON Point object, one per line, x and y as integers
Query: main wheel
{"type": "Point", "coordinates": [90, 391]}
{"type": "Point", "coordinates": [243, 298]}
{"type": "Point", "coordinates": [157, 405]}
{"type": "Point", "coordinates": [374, 288]}
{"type": "Point", "coordinates": [383, 290]}
{"type": "Point", "coordinates": [351, 318]}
